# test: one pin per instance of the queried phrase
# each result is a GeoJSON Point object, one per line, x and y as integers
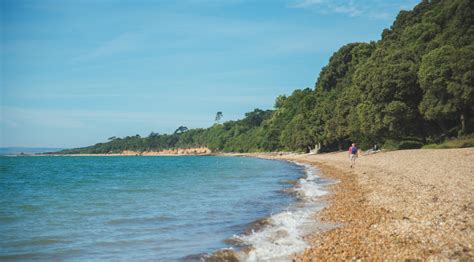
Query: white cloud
{"type": "Point", "coordinates": [375, 9]}
{"type": "Point", "coordinates": [346, 7]}
{"type": "Point", "coordinates": [350, 10]}
{"type": "Point", "coordinates": [307, 3]}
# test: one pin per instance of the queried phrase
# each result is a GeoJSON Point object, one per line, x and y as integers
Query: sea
{"type": "Point", "coordinates": [148, 208]}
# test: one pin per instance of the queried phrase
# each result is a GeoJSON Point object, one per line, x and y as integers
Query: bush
{"type": "Point", "coordinates": [461, 142]}
{"type": "Point", "coordinates": [410, 144]}
{"type": "Point", "coordinates": [403, 144]}
{"type": "Point", "coordinates": [390, 145]}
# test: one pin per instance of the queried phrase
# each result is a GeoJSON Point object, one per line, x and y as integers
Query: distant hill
{"type": "Point", "coordinates": [26, 150]}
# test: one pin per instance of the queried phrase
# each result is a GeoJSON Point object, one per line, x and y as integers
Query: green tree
{"type": "Point", "coordinates": [180, 129]}
{"type": "Point", "coordinates": [416, 83]}
{"type": "Point", "coordinates": [447, 79]}
{"type": "Point", "coordinates": [389, 94]}
{"type": "Point", "coordinates": [218, 117]}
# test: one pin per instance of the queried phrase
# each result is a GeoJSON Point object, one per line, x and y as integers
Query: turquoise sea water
{"type": "Point", "coordinates": [140, 208]}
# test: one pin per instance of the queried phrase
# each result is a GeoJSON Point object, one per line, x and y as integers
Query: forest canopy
{"type": "Point", "coordinates": [412, 87]}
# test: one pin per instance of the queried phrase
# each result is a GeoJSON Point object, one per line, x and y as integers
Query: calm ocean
{"type": "Point", "coordinates": [138, 208]}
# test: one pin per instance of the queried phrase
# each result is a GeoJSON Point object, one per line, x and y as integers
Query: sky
{"type": "Point", "coordinates": [74, 73]}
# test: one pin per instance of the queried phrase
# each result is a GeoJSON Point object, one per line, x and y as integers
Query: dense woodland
{"type": "Point", "coordinates": [412, 87]}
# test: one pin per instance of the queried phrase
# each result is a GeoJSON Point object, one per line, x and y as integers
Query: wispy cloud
{"type": "Point", "coordinates": [328, 6]}
{"type": "Point", "coordinates": [375, 9]}
{"type": "Point", "coordinates": [122, 43]}
{"type": "Point", "coordinates": [307, 3]}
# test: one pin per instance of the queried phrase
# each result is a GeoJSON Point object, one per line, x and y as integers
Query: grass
{"type": "Point", "coordinates": [466, 141]}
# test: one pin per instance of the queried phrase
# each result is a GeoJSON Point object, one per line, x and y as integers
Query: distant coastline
{"type": "Point", "coordinates": [194, 151]}
{"type": "Point", "coordinates": [13, 151]}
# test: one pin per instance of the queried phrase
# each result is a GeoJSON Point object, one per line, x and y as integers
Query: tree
{"type": "Point", "coordinates": [218, 116]}
{"type": "Point", "coordinates": [389, 94]}
{"type": "Point", "coordinates": [256, 117]}
{"type": "Point", "coordinates": [447, 79]}
{"type": "Point", "coordinates": [416, 83]}
{"type": "Point", "coordinates": [336, 96]}
{"type": "Point", "coordinates": [180, 130]}
{"type": "Point", "coordinates": [153, 134]}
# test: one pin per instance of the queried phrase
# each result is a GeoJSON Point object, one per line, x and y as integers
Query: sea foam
{"type": "Point", "coordinates": [284, 234]}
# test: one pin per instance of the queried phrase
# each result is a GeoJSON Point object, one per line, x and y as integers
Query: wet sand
{"type": "Point", "coordinates": [398, 205]}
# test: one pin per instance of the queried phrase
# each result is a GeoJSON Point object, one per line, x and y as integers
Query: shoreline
{"type": "Point", "coordinates": [192, 151]}
{"type": "Point", "coordinates": [279, 236]}
{"type": "Point", "coordinates": [119, 154]}
{"type": "Point", "coordinates": [397, 205]}
{"type": "Point", "coordinates": [112, 155]}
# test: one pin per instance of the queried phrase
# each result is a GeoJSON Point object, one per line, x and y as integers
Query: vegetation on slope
{"type": "Point", "coordinates": [460, 142]}
{"type": "Point", "coordinates": [414, 86]}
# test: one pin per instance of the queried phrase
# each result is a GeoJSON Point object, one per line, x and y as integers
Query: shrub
{"type": "Point", "coordinates": [461, 142]}
{"type": "Point", "coordinates": [410, 144]}
{"type": "Point", "coordinates": [402, 144]}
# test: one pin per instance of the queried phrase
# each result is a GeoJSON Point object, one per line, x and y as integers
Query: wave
{"type": "Point", "coordinates": [281, 235]}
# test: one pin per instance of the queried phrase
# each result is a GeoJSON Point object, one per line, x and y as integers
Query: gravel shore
{"type": "Point", "coordinates": [398, 205]}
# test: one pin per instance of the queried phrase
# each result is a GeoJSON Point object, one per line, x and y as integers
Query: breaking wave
{"type": "Point", "coordinates": [282, 234]}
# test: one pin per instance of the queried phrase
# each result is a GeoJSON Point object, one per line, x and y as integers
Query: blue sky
{"type": "Point", "coordinates": [74, 73]}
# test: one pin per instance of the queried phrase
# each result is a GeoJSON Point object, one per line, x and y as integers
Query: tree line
{"type": "Point", "coordinates": [412, 87]}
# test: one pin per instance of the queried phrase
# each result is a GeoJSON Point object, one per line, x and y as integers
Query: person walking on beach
{"type": "Point", "coordinates": [353, 154]}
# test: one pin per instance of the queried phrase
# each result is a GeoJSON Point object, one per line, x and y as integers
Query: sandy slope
{"type": "Point", "coordinates": [408, 204]}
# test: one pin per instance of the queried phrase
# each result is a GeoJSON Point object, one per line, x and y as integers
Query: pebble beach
{"type": "Point", "coordinates": [396, 205]}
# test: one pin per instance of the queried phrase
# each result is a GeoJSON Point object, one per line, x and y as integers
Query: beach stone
{"type": "Point", "coordinates": [399, 205]}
